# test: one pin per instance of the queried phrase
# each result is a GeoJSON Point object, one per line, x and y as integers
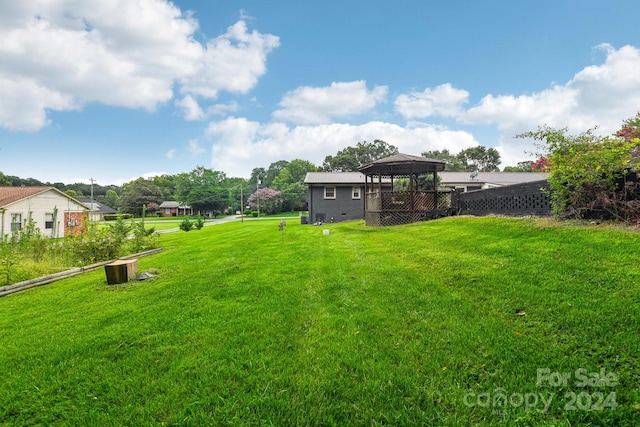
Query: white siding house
{"type": "Point", "coordinates": [54, 213]}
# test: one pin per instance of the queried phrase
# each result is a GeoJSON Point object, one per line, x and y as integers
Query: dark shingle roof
{"type": "Point", "coordinates": [402, 164]}
{"type": "Point", "coordinates": [97, 207]}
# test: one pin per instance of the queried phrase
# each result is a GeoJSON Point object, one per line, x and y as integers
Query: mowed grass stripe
{"type": "Point", "coordinates": [247, 326]}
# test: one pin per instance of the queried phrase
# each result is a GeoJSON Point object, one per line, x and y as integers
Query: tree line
{"type": "Point", "coordinates": [277, 188]}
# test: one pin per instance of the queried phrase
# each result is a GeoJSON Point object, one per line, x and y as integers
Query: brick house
{"type": "Point", "coordinates": [173, 208]}
{"type": "Point", "coordinates": [53, 212]}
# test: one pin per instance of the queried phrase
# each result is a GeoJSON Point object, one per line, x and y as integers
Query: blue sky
{"type": "Point", "coordinates": [122, 89]}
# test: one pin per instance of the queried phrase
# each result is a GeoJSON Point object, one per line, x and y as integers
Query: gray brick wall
{"type": "Point", "coordinates": [343, 208]}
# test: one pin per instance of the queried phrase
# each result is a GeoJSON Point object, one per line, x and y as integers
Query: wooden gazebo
{"type": "Point", "coordinates": [414, 194]}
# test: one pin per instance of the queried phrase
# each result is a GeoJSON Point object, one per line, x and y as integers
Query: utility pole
{"type": "Point", "coordinates": [241, 205]}
{"type": "Point", "coordinates": [258, 196]}
{"type": "Point", "coordinates": [92, 207]}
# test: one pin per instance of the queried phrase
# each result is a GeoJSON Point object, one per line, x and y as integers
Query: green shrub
{"type": "Point", "coordinates": [115, 217]}
{"type": "Point", "coordinates": [254, 214]}
{"type": "Point", "coordinates": [186, 225]}
{"type": "Point", "coordinates": [199, 223]}
{"type": "Point", "coordinates": [587, 172]}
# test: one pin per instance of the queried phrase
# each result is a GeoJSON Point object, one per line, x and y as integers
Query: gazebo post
{"type": "Point", "coordinates": [411, 193]}
{"type": "Point", "coordinates": [435, 189]}
{"type": "Point", "coordinates": [380, 191]}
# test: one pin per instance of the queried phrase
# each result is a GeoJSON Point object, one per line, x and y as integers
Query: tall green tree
{"type": "Point", "coordinates": [111, 199]}
{"type": "Point", "coordinates": [480, 158]}
{"type": "Point", "coordinates": [351, 158]}
{"type": "Point", "coordinates": [137, 193]}
{"type": "Point", "coordinates": [238, 191]}
{"type": "Point", "coordinates": [4, 181]}
{"type": "Point", "coordinates": [524, 166]}
{"type": "Point", "coordinates": [203, 189]}
{"type": "Point", "coordinates": [273, 171]}
{"type": "Point", "coordinates": [290, 182]}
{"type": "Point", "coordinates": [167, 183]}
{"type": "Point", "coordinates": [453, 163]}
{"type": "Point", "coordinates": [257, 175]}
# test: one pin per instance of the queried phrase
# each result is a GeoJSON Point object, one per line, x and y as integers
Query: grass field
{"type": "Point", "coordinates": [424, 324]}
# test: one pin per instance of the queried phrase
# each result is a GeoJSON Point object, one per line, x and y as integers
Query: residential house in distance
{"type": "Point", "coordinates": [53, 212]}
{"type": "Point", "coordinates": [470, 181]}
{"type": "Point", "coordinates": [339, 196]}
{"type": "Point", "coordinates": [97, 210]}
{"type": "Point", "coordinates": [173, 208]}
{"type": "Point", "coordinates": [336, 196]}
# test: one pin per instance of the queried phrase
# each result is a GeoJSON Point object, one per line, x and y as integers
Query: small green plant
{"type": "Point", "coordinates": [142, 238]}
{"type": "Point", "coordinates": [8, 259]}
{"type": "Point", "coordinates": [199, 223]}
{"type": "Point", "coordinates": [186, 225]}
{"type": "Point", "coordinates": [281, 227]}
{"type": "Point", "coordinates": [120, 230]}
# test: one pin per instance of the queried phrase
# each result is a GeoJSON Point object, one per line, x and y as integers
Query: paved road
{"type": "Point", "coordinates": [207, 223]}
{"type": "Point", "coordinates": [210, 222]}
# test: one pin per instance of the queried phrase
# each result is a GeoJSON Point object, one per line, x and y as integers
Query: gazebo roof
{"type": "Point", "coordinates": [402, 164]}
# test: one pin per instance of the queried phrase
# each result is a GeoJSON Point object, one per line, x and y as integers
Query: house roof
{"type": "Point", "coordinates": [402, 164]}
{"type": "Point", "coordinates": [10, 195]}
{"type": "Point", "coordinates": [447, 178]}
{"type": "Point", "coordinates": [97, 207]}
{"type": "Point", "coordinates": [496, 178]}
{"type": "Point", "coordinates": [337, 178]}
{"type": "Point", "coordinates": [173, 204]}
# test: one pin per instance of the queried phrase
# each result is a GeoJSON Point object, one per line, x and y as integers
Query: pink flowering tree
{"type": "Point", "coordinates": [270, 200]}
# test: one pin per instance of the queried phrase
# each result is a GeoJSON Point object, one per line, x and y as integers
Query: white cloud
{"type": "Point", "coordinates": [239, 145]}
{"type": "Point", "coordinates": [190, 109]}
{"type": "Point", "coordinates": [127, 53]}
{"type": "Point", "coordinates": [24, 104]}
{"type": "Point", "coordinates": [222, 109]}
{"type": "Point", "coordinates": [444, 100]}
{"type": "Point", "coordinates": [170, 154]}
{"type": "Point", "coordinates": [195, 148]}
{"type": "Point", "coordinates": [602, 95]}
{"type": "Point", "coordinates": [315, 105]}
{"type": "Point", "coordinates": [232, 62]}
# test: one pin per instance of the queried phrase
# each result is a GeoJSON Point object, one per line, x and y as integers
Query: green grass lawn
{"type": "Point", "coordinates": [424, 324]}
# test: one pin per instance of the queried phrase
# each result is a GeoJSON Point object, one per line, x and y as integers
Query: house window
{"type": "Point", "coordinates": [48, 221]}
{"type": "Point", "coordinates": [16, 222]}
{"type": "Point", "coordinates": [355, 194]}
{"type": "Point", "coordinates": [329, 192]}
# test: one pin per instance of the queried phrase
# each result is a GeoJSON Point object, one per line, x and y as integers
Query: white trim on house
{"type": "Point", "coordinates": [356, 192]}
{"type": "Point", "coordinates": [329, 192]}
